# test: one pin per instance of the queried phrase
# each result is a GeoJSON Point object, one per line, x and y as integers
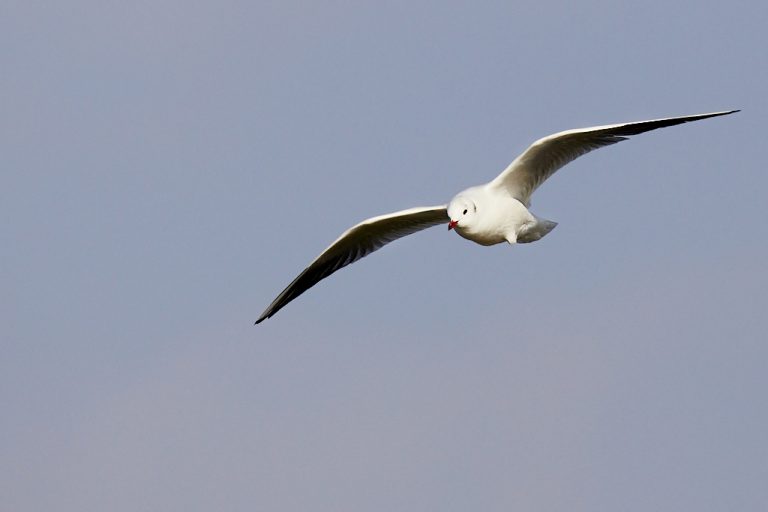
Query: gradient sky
{"type": "Point", "coordinates": [168, 167]}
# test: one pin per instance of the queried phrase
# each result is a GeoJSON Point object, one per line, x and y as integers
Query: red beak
{"type": "Point", "coordinates": [452, 224]}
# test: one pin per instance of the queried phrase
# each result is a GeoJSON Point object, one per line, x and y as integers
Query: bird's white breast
{"type": "Point", "coordinates": [499, 218]}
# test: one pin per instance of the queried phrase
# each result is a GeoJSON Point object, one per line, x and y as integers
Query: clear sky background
{"type": "Point", "coordinates": [168, 167]}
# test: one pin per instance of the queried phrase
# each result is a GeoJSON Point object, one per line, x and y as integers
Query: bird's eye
{"type": "Point", "coordinates": [465, 212]}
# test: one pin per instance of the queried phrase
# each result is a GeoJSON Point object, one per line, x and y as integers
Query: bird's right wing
{"type": "Point", "coordinates": [355, 243]}
{"type": "Point", "coordinates": [545, 156]}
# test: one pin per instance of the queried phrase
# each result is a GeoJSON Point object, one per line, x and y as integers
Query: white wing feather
{"type": "Point", "coordinates": [355, 243]}
{"type": "Point", "coordinates": [545, 156]}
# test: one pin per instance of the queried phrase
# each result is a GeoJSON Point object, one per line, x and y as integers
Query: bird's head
{"type": "Point", "coordinates": [461, 211]}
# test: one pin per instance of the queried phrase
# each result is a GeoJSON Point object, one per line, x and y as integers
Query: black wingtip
{"type": "Point", "coordinates": [716, 114]}
{"type": "Point", "coordinates": [727, 112]}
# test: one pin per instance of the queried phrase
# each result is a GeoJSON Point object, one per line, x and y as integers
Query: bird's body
{"type": "Point", "coordinates": [505, 221]}
{"type": "Point", "coordinates": [486, 214]}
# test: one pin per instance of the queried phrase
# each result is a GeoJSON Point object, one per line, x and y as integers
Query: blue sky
{"type": "Point", "coordinates": [168, 167]}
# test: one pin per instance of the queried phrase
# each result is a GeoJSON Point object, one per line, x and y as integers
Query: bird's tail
{"type": "Point", "coordinates": [536, 231]}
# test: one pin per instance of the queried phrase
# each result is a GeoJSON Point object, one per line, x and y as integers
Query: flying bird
{"type": "Point", "coordinates": [486, 214]}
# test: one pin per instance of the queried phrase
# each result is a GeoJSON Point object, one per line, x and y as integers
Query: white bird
{"type": "Point", "coordinates": [486, 214]}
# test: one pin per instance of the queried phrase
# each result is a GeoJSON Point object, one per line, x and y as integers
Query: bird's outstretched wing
{"type": "Point", "coordinates": [547, 155]}
{"type": "Point", "coordinates": [355, 243]}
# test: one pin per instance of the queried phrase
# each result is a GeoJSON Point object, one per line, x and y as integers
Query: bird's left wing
{"type": "Point", "coordinates": [545, 156]}
{"type": "Point", "coordinates": [355, 243]}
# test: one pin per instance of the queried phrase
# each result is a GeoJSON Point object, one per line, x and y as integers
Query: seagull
{"type": "Point", "coordinates": [488, 214]}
